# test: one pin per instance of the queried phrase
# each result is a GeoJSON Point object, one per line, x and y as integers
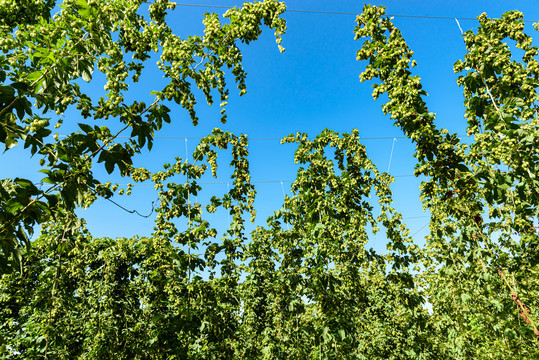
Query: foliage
{"type": "Point", "coordinates": [306, 286]}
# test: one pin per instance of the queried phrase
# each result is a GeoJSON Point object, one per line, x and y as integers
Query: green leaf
{"type": "Point", "coordinates": [85, 127]}
{"type": "Point", "coordinates": [10, 143]}
{"type": "Point", "coordinates": [109, 166]}
{"type": "Point", "coordinates": [32, 77]}
{"type": "Point", "coordinates": [47, 180]}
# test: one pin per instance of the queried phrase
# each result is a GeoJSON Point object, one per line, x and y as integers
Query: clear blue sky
{"type": "Point", "coordinates": [313, 85]}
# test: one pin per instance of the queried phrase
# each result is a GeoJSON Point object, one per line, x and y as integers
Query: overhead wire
{"type": "Point", "coordinates": [391, 154]}
{"type": "Point", "coordinates": [133, 211]}
{"type": "Point", "coordinates": [40, 185]}
{"type": "Point", "coordinates": [252, 182]}
{"type": "Point", "coordinates": [349, 13]}
{"type": "Point", "coordinates": [417, 232]}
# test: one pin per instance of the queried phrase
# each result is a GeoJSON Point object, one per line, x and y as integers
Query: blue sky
{"type": "Point", "coordinates": [313, 85]}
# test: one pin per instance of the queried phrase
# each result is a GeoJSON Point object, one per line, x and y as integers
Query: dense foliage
{"type": "Point", "coordinates": [303, 287]}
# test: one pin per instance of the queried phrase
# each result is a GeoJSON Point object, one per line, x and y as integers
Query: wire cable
{"type": "Point", "coordinates": [458, 24]}
{"type": "Point", "coordinates": [252, 182]}
{"type": "Point", "coordinates": [417, 232]}
{"type": "Point", "coordinates": [350, 13]}
{"type": "Point", "coordinates": [133, 211]}
{"type": "Point", "coordinates": [391, 154]}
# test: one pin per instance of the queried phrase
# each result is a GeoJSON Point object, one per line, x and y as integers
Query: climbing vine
{"type": "Point", "coordinates": [307, 285]}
